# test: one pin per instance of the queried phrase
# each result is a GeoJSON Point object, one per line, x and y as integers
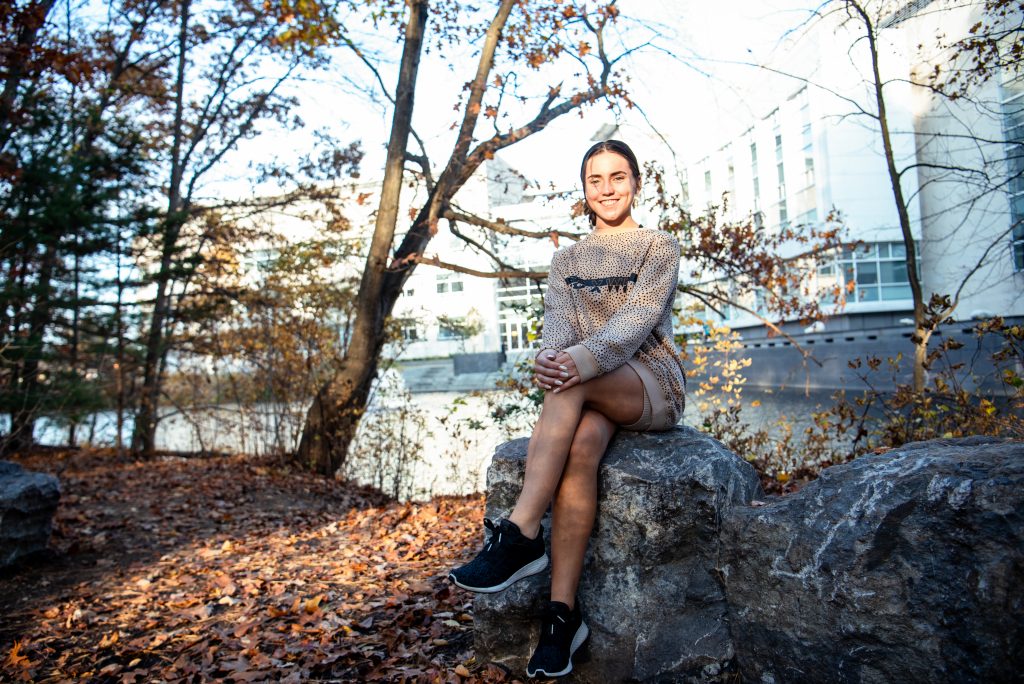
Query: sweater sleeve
{"type": "Point", "coordinates": [619, 339]}
{"type": "Point", "coordinates": [559, 312]}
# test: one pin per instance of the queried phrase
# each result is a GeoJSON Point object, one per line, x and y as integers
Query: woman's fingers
{"type": "Point", "coordinates": [566, 384]}
{"type": "Point", "coordinates": [555, 370]}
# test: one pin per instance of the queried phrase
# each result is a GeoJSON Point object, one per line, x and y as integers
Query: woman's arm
{"type": "Point", "coordinates": [558, 331]}
{"type": "Point", "coordinates": [619, 339]}
{"type": "Point", "coordinates": [559, 311]}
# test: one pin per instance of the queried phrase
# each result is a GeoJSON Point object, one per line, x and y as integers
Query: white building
{"type": "Point", "coordinates": [813, 152]}
{"type": "Point", "coordinates": [439, 306]}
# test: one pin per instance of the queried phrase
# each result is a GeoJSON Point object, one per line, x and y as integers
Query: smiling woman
{"type": "Point", "coordinates": [608, 361]}
{"type": "Point", "coordinates": [611, 179]}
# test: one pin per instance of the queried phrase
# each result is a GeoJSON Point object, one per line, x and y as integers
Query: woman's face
{"type": "Point", "coordinates": [610, 188]}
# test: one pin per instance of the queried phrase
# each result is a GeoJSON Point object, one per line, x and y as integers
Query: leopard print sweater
{"type": "Point", "coordinates": [609, 301]}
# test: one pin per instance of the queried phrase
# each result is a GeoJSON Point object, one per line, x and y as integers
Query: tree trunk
{"type": "Point", "coordinates": [23, 419]}
{"type": "Point", "coordinates": [144, 433]}
{"type": "Point", "coordinates": [75, 323]}
{"type": "Point", "coordinates": [332, 419]}
{"type": "Point", "coordinates": [34, 17]}
{"type": "Point", "coordinates": [922, 329]}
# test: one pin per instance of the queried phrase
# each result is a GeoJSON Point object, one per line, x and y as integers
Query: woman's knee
{"type": "Point", "coordinates": [589, 443]}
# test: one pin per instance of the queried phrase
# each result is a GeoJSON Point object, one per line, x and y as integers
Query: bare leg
{"type": "Point", "coordinates": [617, 395]}
{"type": "Point", "coordinates": [575, 504]}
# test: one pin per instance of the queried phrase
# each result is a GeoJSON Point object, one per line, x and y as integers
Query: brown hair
{"type": "Point", "coordinates": [618, 147]}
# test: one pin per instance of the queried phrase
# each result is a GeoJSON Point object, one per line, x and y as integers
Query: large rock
{"type": "Point", "coordinates": [901, 567]}
{"type": "Point", "coordinates": [650, 590]}
{"type": "Point", "coordinates": [28, 501]}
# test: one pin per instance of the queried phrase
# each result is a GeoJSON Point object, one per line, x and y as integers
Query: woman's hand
{"type": "Point", "coordinates": [555, 370]}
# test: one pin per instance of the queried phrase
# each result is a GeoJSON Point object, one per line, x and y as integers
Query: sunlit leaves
{"type": "Point", "coordinates": [217, 568]}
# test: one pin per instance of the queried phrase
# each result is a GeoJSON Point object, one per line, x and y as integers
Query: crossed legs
{"type": "Point", "coordinates": [568, 442]}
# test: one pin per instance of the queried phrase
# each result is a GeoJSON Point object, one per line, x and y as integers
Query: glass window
{"type": "Point", "coordinates": [410, 331]}
{"type": "Point", "coordinates": [1012, 89]}
{"type": "Point", "coordinates": [450, 332]}
{"type": "Point", "coordinates": [898, 249]}
{"type": "Point", "coordinates": [867, 273]}
{"type": "Point", "coordinates": [866, 268]}
{"type": "Point", "coordinates": [449, 282]}
{"type": "Point", "coordinates": [808, 217]}
{"type": "Point", "coordinates": [867, 294]}
{"type": "Point", "coordinates": [516, 296]}
{"type": "Point", "coordinates": [893, 272]}
{"type": "Point", "coordinates": [890, 292]}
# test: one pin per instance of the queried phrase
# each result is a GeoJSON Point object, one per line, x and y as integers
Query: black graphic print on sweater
{"type": "Point", "coordinates": [595, 284]}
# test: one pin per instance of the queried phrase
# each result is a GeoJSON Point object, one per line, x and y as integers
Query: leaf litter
{"type": "Point", "coordinates": [230, 568]}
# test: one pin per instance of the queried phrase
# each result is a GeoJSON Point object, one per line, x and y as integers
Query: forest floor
{"type": "Point", "coordinates": [234, 569]}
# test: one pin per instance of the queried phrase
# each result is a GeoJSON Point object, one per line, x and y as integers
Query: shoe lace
{"type": "Point", "coordinates": [554, 624]}
{"type": "Point", "coordinates": [495, 537]}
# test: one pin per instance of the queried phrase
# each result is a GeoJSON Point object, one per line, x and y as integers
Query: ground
{"type": "Point", "coordinates": [234, 569]}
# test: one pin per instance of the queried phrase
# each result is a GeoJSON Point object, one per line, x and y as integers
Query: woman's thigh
{"type": "Point", "coordinates": [619, 395]}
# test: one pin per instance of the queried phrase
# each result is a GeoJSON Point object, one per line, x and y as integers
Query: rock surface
{"type": "Point", "coordinates": [28, 501]}
{"type": "Point", "coordinates": [650, 590]}
{"type": "Point", "coordinates": [902, 567]}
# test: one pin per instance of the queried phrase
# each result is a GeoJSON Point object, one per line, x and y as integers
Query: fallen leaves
{"type": "Point", "coordinates": [223, 568]}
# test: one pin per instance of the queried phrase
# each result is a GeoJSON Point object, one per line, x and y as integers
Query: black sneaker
{"type": "Point", "coordinates": [562, 632]}
{"type": "Point", "coordinates": [507, 557]}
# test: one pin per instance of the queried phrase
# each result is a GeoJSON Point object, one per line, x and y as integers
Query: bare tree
{"type": "Point", "coordinates": [961, 161]}
{"type": "Point", "coordinates": [530, 34]}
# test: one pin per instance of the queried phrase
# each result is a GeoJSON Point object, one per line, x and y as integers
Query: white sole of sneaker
{"type": "Point", "coordinates": [531, 568]}
{"type": "Point", "coordinates": [577, 641]}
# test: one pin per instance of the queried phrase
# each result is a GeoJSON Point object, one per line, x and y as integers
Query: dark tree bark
{"type": "Point", "coordinates": [18, 61]}
{"type": "Point", "coordinates": [332, 419]}
{"type": "Point", "coordinates": [922, 330]}
{"type": "Point", "coordinates": [144, 434]}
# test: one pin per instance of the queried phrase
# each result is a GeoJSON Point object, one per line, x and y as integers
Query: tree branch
{"type": "Point", "coordinates": [435, 261]}
{"type": "Point", "coordinates": [505, 228]}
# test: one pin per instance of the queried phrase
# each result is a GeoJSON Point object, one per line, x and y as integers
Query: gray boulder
{"type": "Point", "coordinates": [28, 501]}
{"type": "Point", "coordinates": [902, 567]}
{"type": "Point", "coordinates": [650, 590]}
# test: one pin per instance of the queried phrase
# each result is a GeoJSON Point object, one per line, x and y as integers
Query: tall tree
{"type": "Point", "coordinates": [962, 161]}
{"type": "Point", "coordinates": [528, 33]}
{"type": "Point", "coordinates": [228, 66]}
{"type": "Point", "coordinates": [70, 154]}
{"type": "Point", "coordinates": [969, 179]}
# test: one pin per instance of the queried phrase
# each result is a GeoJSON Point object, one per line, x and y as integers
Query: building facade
{"type": "Point", "coordinates": [818, 153]}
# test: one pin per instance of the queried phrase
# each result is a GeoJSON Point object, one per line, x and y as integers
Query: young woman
{"type": "Point", "coordinates": [608, 362]}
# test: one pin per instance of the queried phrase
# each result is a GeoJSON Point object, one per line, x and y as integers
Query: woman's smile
{"type": "Point", "coordinates": [610, 189]}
